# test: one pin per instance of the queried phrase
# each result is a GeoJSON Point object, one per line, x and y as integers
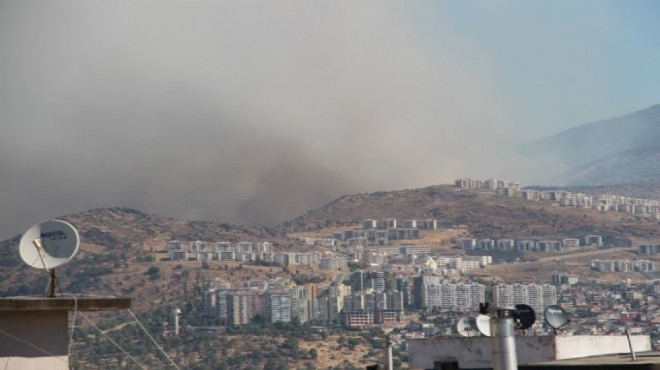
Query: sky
{"type": "Point", "coordinates": [254, 112]}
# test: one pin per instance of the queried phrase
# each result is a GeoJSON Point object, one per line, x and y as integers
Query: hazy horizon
{"type": "Point", "coordinates": [254, 112]}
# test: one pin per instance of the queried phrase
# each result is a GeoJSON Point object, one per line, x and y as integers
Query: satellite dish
{"type": "Point", "coordinates": [523, 317]}
{"type": "Point", "coordinates": [467, 327]}
{"type": "Point", "coordinates": [47, 245]}
{"type": "Point", "coordinates": [483, 325]}
{"type": "Point", "coordinates": [555, 316]}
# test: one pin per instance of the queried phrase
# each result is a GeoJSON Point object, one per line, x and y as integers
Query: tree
{"type": "Point", "coordinates": [153, 272]}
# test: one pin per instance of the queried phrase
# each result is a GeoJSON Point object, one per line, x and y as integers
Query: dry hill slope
{"type": "Point", "coordinates": [486, 215]}
{"type": "Point", "coordinates": [118, 246]}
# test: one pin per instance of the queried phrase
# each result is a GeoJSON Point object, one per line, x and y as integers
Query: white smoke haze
{"type": "Point", "coordinates": [231, 111]}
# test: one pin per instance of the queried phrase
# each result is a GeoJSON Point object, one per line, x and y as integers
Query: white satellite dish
{"type": "Point", "coordinates": [467, 327]}
{"type": "Point", "coordinates": [483, 324]}
{"type": "Point", "coordinates": [47, 245]}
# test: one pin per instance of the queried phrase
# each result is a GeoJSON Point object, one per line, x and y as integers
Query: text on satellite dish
{"type": "Point", "coordinates": [54, 235]}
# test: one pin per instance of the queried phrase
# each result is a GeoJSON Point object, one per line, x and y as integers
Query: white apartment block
{"type": "Point", "coordinates": [642, 265]}
{"type": "Point", "coordinates": [278, 308]}
{"type": "Point", "coordinates": [178, 256]}
{"type": "Point", "coordinates": [535, 295]}
{"type": "Point", "coordinates": [374, 258]}
{"type": "Point", "coordinates": [649, 249]}
{"type": "Point", "coordinates": [548, 246]}
{"type": "Point", "coordinates": [468, 183]}
{"type": "Point", "coordinates": [505, 244]}
{"type": "Point", "coordinates": [197, 246]}
{"type": "Point", "coordinates": [174, 245]}
{"type": "Point", "coordinates": [333, 263]}
{"type": "Point", "coordinates": [266, 256]}
{"type": "Point", "coordinates": [369, 224]}
{"type": "Point", "coordinates": [525, 245]}
{"type": "Point", "coordinates": [264, 247]}
{"type": "Point", "coordinates": [388, 223]}
{"type": "Point", "coordinates": [486, 244]}
{"type": "Point", "coordinates": [603, 202]}
{"type": "Point", "coordinates": [243, 247]}
{"type": "Point", "coordinates": [593, 240]}
{"type": "Point", "coordinates": [227, 256]}
{"type": "Point", "coordinates": [453, 297]}
{"type": "Point", "coordinates": [205, 256]}
{"type": "Point", "coordinates": [468, 244]}
{"type": "Point", "coordinates": [563, 278]}
{"type": "Point", "coordinates": [222, 247]}
{"type": "Point", "coordinates": [427, 224]}
{"type": "Point", "coordinates": [409, 224]}
{"type": "Point", "coordinates": [246, 257]}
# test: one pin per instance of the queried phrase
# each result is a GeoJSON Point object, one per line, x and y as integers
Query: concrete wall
{"type": "Point", "coordinates": [475, 353]}
{"type": "Point", "coordinates": [34, 340]}
{"type": "Point", "coordinates": [586, 345]}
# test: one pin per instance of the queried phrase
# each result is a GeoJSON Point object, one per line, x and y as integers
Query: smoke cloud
{"type": "Point", "coordinates": [232, 111]}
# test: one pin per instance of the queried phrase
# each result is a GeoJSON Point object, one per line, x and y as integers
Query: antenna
{"type": "Point", "coordinates": [555, 316]}
{"type": "Point", "coordinates": [47, 245]}
{"type": "Point", "coordinates": [523, 317]}
{"type": "Point", "coordinates": [467, 327]}
{"type": "Point", "coordinates": [483, 325]}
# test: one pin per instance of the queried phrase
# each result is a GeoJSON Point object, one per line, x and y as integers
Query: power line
{"type": "Point", "coordinates": [112, 341]}
{"type": "Point", "coordinates": [153, 340]}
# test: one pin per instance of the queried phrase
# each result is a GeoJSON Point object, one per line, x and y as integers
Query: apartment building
{"type": "Point", "coordinates": [536, 295]}
{"type": "Point", "coordinates": [278, 306]}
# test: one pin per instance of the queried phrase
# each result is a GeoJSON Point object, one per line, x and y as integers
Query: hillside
{"type": "Point", "coordinates": [122, 254]}
{"type": "Point", "coordinates": [620, 150]}
{"type": "Point", "coordinates": [484, 213]}
{"type": "Point", "coordinates": [119, 245]}
{"type": "Point", "coordinates": [637, 166]}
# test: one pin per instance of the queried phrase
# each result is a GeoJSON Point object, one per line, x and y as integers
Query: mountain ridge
{"type": "Point", "coordinates": [585, 153]}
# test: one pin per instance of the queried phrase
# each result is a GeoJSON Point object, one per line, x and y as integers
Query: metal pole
{"type": "Point", "coordinates": [52, 283]}
{"type": "Point", "coordinates": [503, 342]}
{"type": "Point", "coordinates": [176, 321]}
{"type": "Point", "coordinates": [389, 364]}
{"type": "Point", "coordinates": [632, 352]}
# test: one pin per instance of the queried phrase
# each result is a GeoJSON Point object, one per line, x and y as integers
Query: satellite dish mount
{"type": "Point", "coordinates": [47, 245]}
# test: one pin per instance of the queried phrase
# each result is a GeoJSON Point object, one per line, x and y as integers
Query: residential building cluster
{"type": "Point", "coordinates": [648, 249]}
{"type": "Point", "coordinates": [433, 292]}
{"type": "Point", "coordinates": [594, 308]}
{"type": "Point", "coordinates": [248, 252]}
{"type": "Point", "coordinates": [363, 302]}
{"type": "Point", "coordinates": [434, 264]}
{"type": "Point", "coordinates": [622, 265]}
{"type": "Point", "coordinates": [603, 202]}
{"type": "Point", "coordinates": [381, 232]}
{"type": "Point", "coordinates": [538, 296]}
{"type": "Point", "coordinates": [563, 278]}
{"type": "Point", "coordinates": [275, 300]}
{"type": "Point", "coordinates": [430, 292]}
{"type": "Point", "coordinates": [527, 245]}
